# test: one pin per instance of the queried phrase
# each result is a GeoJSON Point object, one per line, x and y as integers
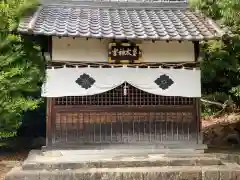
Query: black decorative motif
{"type": "Point", "coordinates": [164, 81]}
{"type": "Point", "coordinates": [85, 81]}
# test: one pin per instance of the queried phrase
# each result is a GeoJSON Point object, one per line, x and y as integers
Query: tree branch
{"type": "Point", "coordinates": [213, 102]}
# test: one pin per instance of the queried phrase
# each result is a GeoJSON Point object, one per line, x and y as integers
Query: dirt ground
{"type": "Point", "coordinates": [3, 171]}
{"type": "Point", "coordinates": [9, 160]}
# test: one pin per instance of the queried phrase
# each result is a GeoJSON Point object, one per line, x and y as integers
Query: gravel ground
{"type": "Point", "coordinates": [10, 160]}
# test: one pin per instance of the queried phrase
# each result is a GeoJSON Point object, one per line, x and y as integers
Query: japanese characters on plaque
{"type": "Point", "coordinates": [123, 53]}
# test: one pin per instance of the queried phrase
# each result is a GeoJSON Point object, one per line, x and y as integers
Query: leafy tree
{"type": "Point", "coordinates": [21, 66]}
{"type": "Point", "coordinates": [221, 62]}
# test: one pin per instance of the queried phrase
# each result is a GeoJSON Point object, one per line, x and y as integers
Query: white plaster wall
{"type": "Point", "coordinates": [94, 50]}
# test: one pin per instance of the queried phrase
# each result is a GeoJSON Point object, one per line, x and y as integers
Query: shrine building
{"type": "Point", "coordinates": [121, 72]}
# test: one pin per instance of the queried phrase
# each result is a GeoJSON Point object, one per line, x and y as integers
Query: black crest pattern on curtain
{"type": "Point", "coordinates": [85, 81]}
{"type": "Point", "coordinates": [164, 81]}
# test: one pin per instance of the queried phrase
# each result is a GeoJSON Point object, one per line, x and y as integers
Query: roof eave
{"type": "Point", "coordinates": [30, 32]}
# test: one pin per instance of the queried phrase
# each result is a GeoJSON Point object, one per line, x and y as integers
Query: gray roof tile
{"type": "Point", "coordinates": [129, 23]}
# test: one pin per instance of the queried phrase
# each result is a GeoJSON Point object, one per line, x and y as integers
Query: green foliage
{"type": "Point", "coordinates": [221, 63]}
{"type": "Point", "coordinates": [5, 135]}
{"type": "Point", "coordinates": [21, 66]}
{"type": "Point", "coordinates": [236, 91]}
{"type": "Point", "coordinates": [12, 11]}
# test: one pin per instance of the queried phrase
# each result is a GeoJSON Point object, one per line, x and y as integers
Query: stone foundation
{"type": "Point", "coordinates": [123, 165]}
{"type": "Point", "coordinates": [141, 173]}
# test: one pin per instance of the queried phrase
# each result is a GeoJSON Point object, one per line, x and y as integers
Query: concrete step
{"type": "Point", "coordinates": [138, 151]}
{"type": "Point", "coordinates": [76, 159]}
{"type": "Point", "coordinates": [121, 162]}
{"type": "Point", "coordinates": [164, 147]}
{"type": "Point", "coordinates": [134, 173]}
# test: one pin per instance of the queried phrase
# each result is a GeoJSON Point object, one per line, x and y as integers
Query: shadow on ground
{"type": "Point", "coordinates": [13, 151]}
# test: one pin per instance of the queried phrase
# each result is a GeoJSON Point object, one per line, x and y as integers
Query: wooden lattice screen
{"type": "Point", "coordinates": [115, 117]}
{"type": "Point", "coordinates": [133, 97]}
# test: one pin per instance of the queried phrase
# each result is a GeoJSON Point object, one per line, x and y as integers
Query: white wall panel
{"type": "Point", "coordinates": [94, 50]}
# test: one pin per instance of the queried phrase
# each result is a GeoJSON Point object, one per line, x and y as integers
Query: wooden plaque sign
{"type": "Point", "coordinates": [124, 53]}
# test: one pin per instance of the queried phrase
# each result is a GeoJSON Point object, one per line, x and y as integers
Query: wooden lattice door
{"type": "Point", "coordinates": [119, 116]}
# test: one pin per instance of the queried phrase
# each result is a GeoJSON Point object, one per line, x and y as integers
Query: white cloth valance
{"type": "Point", "coordinates": [90, 81]}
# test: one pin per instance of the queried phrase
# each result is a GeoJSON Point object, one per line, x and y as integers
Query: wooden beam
{"type": "Point", "coordinates": [196, 50]}
{"type": "Point", "coordinates": [124, 108]}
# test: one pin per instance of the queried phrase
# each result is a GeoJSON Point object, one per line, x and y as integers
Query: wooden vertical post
{"type": "Point", "coordinates": [198, 121]}
{"type": "Point", "coordinates": [47, 47]}
{"type": "Point", "coordinates": [49, 122]}
{"type": "Point", "coordinates": [197, 100]}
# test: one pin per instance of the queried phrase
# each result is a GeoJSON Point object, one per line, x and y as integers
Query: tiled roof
{"type": "Point", "coordinates": [80, 2]}
{"type": "Point", "coordinates": [120, 23]}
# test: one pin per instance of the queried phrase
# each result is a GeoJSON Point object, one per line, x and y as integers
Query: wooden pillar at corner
{"type": "Point", "coordinates": [198, 100]}
{"type": "Point", "coordinates": [198, 121]}
{"type": "Point", "coordinates": [46, 44]}
{"type": "Point", "coordinates": [49, 123]}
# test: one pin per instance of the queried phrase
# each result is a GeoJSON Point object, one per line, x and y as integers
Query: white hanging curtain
{"type": "Point", "coordinates": [90, 81]}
